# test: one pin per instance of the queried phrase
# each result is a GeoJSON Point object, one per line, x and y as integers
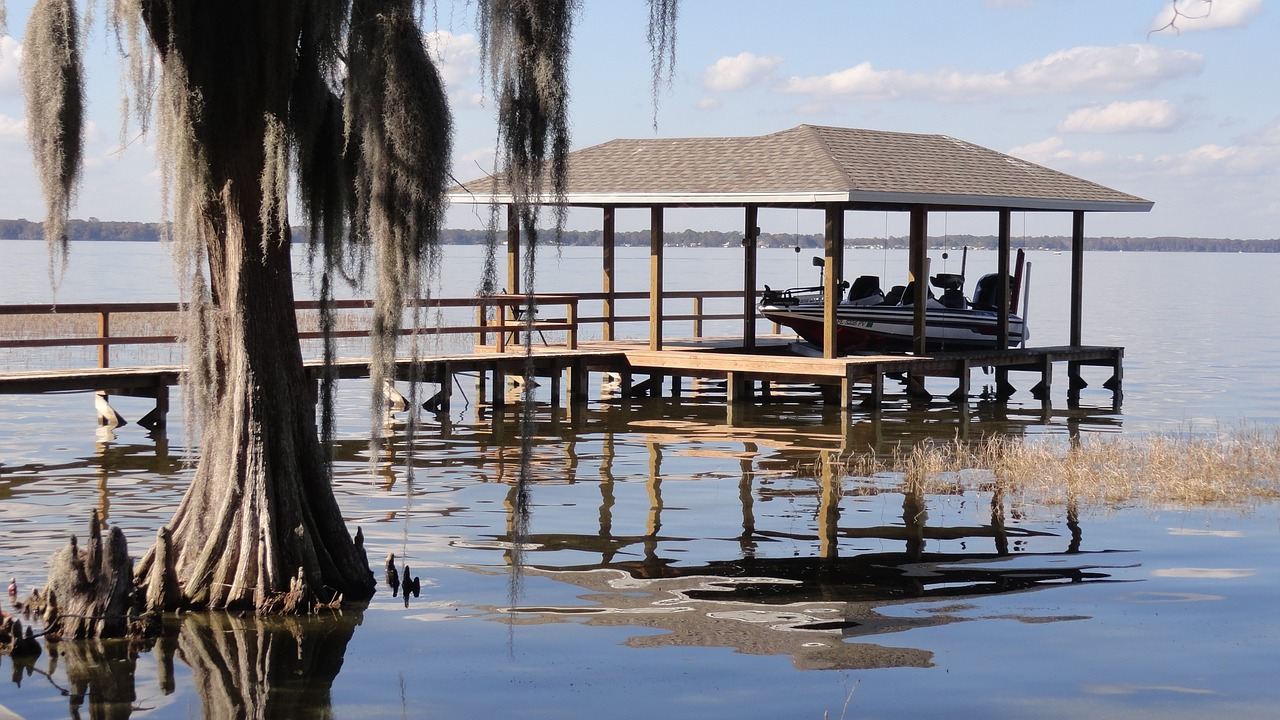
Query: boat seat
{"type": "Point", "coordinates": [953, 298]}
{"type": "Point", "coordinates": [866, 291]}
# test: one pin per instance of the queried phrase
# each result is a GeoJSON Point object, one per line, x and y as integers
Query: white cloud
{"type": "Point", "coordinates": [12, 129]}
{"type": "Point", "coordinates": [1210, 160]}
{"type": "Point", "coordinates": [1091, 70]}
{"type": "Point", "coordinates": [1121, 68]}
{"type": "Point", "coordinates": [1195, 15]}
{"type": "Point", "coordinates": [710, 104]}
{"type": "Point", "coordinates": [1123, 117]}
{"type": "Point", "coordinates": [10, 59]}
{"type": "Point", "coordinates": [457, 59]}
{"type": "Point", "coordinates": [739, 71]}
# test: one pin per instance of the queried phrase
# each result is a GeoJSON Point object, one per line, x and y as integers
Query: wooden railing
{"type": "Point", "coordinates": [499, 319]}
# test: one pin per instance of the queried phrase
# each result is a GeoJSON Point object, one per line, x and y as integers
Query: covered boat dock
{"type": "Point", "coordinates": [835, 171]}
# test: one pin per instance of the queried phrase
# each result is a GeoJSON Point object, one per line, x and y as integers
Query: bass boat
{"type": "Point", "coordinates": [869, 320]}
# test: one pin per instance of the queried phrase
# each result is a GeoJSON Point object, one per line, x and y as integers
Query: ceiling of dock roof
{"type": "Point", "coordinates": [810, 165]}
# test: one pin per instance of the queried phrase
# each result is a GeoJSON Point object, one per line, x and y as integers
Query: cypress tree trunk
{"type": "Point", "coordinates": [260, 511]}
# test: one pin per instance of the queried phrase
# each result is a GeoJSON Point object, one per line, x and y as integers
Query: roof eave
{"type": "Point", "coordinates": [987, 202]}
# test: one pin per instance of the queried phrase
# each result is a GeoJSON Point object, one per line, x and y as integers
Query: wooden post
{"type": "Point", "coordinates": [1002, 313]}
{"type": "Point", "coordinates": [829, 507]}
{"type": "Point", "coordinates": [1002, 267]}
{"type": "Point", "coordinates": [697, 316]}
{"type": "Point", "coordinates": [1077, 277]}
{"type": "Point", "coordinates": [104, 331]}
{"type": "Point", "coordinates": [610, 288]}
{"type": "Point", "coordinates": [655, 277]}
{"type": "Point", "coordinates": [833, 237]}
{"type": "Point", "coordinates": [571, 317]}
{"type": "Point", "coordinates": [578, 379]}
{"type": "Point", "coordinates": [919, 259]}
{"type": "Point", "coordinates": [513, 250]}
{"type": "Point", "coordinates": [749, 271]}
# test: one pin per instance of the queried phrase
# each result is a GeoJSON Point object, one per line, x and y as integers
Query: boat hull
{"type": "Point", "coordinates": [890, 328]}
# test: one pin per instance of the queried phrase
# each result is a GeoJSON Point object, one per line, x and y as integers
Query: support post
{"type": "Point", "coordinates": [749, 272]}
{"type": "Point", "coordinates": [1077, 277]}
{"type": "Point", "coordinates": [833, 236]}
{"type": "Point", "coordinates": [513, 250]}
{"type": "Point", "coordinates": [578, 378]}
{"type": "Point", "coordinates": [1075, 383]}
{"type": "Point", "coordinates": [609, 259]}
{"type": "Point", "coordinates": [655, 277]}
{"type": "Point", "coordinates": [104, 332]}
{"type": "Point", "coordinates": [829, 507]}
{"type": "Point", "coordinates": [157, 419]}
{"type": "Point", "coordinates": [919, 259]}
{"type": "Point", "coordinates": [1002, 313]}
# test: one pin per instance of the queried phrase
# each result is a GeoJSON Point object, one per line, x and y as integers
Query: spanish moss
{"type": "Point", "coordinates": [53, 85]}
{"type": "Point", "coordinates": [398, 130]}
{"type": "Point", "coordinates": [662, 47]}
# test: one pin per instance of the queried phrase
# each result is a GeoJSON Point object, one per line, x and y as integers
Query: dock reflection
{"type": "Point", "coordinates": [820, 601]}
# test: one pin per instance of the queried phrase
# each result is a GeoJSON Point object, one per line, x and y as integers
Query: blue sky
{"type": "Point", "coordinates": [1189, 119]}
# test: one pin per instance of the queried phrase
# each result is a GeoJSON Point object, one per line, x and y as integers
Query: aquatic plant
{"type": "Point", "coordinates": [1228, 468]}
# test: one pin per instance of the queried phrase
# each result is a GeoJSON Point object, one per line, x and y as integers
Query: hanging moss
{"type": "Point", "coordinates": [662, 47]}
{"type": "Point", "coordinates": [53, 85]}
{"type": "Point", "coordinates": [398, 133]}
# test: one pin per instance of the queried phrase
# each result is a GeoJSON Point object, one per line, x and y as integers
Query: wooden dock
{"type": "Point", "coordinates": [748, 376]}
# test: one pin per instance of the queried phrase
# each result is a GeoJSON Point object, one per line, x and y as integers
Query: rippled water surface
{"type": "Point", "coordinates": [680, 565]}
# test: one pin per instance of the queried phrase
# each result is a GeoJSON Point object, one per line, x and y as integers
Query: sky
{"type": "Point", "coordinates": [1188, 117]}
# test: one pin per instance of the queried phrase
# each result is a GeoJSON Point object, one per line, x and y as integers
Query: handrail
{"type": "Point", "coordinates": [500, 316]}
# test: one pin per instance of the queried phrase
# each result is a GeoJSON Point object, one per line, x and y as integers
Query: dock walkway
{"type": "Point", "coordinates": [748, 376]}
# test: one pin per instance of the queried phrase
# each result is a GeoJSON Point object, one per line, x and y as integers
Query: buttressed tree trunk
{"type": "Point", "coordinates": [260, 510]}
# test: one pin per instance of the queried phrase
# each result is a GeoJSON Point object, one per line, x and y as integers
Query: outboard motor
{"type": "Point", "coordinates": [986, 294]}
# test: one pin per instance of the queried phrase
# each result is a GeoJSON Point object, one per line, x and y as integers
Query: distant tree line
{"type": "Point", "coordinates": [94, 229]}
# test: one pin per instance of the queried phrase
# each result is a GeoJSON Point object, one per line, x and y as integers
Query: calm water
{"type": "Point", "coordinates": [680, 565]}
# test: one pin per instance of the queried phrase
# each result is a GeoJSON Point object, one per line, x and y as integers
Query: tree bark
{"type": "Point", "coordinates": [261, 506]}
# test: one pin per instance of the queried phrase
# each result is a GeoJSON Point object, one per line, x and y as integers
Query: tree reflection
{"type": "Point", "coordinates": [241, 667]}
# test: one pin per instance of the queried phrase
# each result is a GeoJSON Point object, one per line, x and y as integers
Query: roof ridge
{"type": "Point", "coordinates": [814, 134]}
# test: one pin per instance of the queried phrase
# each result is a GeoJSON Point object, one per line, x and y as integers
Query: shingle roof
{"type": "Point", "coordinates": [816, 164]}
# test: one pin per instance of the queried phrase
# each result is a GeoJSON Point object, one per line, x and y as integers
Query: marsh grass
{"type": "Point", "coordinates": [1239, 468]}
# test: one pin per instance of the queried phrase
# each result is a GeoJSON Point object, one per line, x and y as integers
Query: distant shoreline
{"type": "Point", "coordinates": [93, 230]}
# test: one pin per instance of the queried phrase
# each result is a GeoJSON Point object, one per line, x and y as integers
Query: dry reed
{"type": "Point", "coordinates": [1236, 468]}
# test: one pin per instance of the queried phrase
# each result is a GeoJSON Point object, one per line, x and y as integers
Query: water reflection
{"type": "Point", "coordinates": [806, 607]}
{"type": "Point", "coordinates": [780, 567]}
{"type": "Point", "coordinates": [239, 667]}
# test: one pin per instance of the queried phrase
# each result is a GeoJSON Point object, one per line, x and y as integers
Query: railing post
{"type": "Point", "coordinates": [571, 317]}
{"type": "Point", "coordinates": [104, 331]}
{"type": "Point", "coordinates": [697, 316]}
{"type": "Point", "coordinates": [500, 313]}
{"type": "Point", "coordinates": [480, 322]}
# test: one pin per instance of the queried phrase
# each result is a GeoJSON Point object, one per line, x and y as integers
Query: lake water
{"type": "Point", "coordinates": [679, 566]}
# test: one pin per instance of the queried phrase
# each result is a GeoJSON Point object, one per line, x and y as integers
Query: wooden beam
{"type": "Point", "coordinates": [513, 250]}
{"type": "Point", "coordinates": [1077, 277]}
{"type": "Point", "coordinates": [749, 266]}
{"type": "Point", "coordinates": [610, 273]}
{"type": "Point", "coordinates": [1002, 267]}
{"type": "Point", "coordinates": [919, 259]}
{"type": "Point", "coordinates": [833, 237]}
{"type": "Point", "coordinates": [655, 277]}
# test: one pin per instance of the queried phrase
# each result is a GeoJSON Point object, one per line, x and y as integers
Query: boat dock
{"type": "Point", "coordinates": [630, 368]}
